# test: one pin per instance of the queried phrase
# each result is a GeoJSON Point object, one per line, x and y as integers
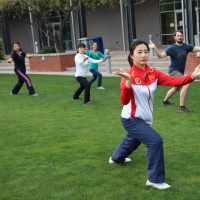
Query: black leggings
{"type": "Point", "coordinates": [84, 84]}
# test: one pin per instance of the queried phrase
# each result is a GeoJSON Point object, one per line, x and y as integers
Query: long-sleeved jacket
{"type": "Point", "coordinates": [81, 65]}
{"type": "Point", "coordinates": [139, 98]}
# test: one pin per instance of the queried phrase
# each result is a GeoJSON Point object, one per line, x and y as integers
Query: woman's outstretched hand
{"type": "Point", "coordinates": [111, 53]}
{"type": "Point", "coordinates": [104, 58]}
{"type": "Point", "coordinates": [196, 72]}
{"type": "Point", "coordinates": [125, 75]}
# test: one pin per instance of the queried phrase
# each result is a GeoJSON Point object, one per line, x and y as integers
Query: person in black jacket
{"type": "Point", "coordinates": [18, 56]}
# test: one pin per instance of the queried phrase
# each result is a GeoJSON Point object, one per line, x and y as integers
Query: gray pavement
{"type": "Point", "coordinates": [119, 60]}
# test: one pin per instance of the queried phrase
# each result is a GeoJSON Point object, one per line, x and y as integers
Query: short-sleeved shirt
{"type": "Point", "coordinates": [19, 60]}
{"type": "Point", "coordinates": [178, 56]}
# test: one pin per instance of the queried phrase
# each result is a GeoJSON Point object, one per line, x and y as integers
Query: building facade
{"type": "Point", "coordinates": [117, 27]}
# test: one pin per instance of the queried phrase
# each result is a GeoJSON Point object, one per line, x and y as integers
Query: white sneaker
{"type": "Point", "coordinates": [34, 95]}
{"type": "Point", "coordinates": [13, 93]}
{"type": "Point", "coordinates": [111, 161]}
{"type": "Point", "coordinates": [160, 186]}
{"type": "Point", "coordinates": [101, 87]}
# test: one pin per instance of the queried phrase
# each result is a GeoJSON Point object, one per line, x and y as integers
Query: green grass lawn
{"type": "Point", "coordinates": [56, 148]}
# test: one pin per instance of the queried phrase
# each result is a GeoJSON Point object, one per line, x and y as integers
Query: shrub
{"type": "Point", "coordinates": [47, 49]}
{"type": "Point", "coordinates": [2, 57]}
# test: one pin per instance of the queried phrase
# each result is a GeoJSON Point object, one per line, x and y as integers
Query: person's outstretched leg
{"type": "Point", "coordinates": [169, 94]}
{"type": "Point", "coordinates": [183, 95]}
{"type": "Point", "coordinates": [94, 76]}
{"type": "Point", "coordinates": [140, 132]}
{"type": "Point", "coordinates": [24, 78]}
{"type": "Point", "coordinates": [80, 89]}
{"type": "Point", "coordinates": [84, 84]}
{"type": "Point", "coordinates": [18, 86]}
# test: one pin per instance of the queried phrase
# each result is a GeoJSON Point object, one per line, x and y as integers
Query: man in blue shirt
{"type": "Point", "coordinates": [178, 55]}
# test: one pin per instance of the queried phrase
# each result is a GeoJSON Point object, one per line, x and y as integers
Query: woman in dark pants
{"type": "Point", "coordinates": [137, 87]}
{"type": "Point", "coordinates": [82, 61]}
{"type": "Point", "coordinates": [18, 56]}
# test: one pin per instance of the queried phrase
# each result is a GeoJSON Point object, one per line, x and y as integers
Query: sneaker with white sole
{"type": "Point", "coordinates": [34, 95]}
{"type": "Point", "coordinates": [111, 161]}
{"type": "Point", "coordinates": [160, 186]}
{"type": "Point", "coordinates": [13, 93]}
{"type": "Point", "coordinates": [101, 87]}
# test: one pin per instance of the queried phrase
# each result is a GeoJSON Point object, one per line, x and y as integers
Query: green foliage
{"type": "Point", "coordinates": [1, 50]}
{"type": "Point", "coordinates": [47, 49]}
{"type": "Point", "coordinates": [56, 148]}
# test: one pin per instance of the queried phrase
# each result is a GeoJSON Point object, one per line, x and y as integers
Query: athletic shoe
{"type": "Point", "coordinates": [111, 161]}
{"type": "Point", "coordinates": [89, 102]}
{"type": "Point", "coordinates": [34, 95]}
{"type": "Point", "coordinates": [166, 103]}
{"type": "Point", "coordinates": [184, 109]}
{"type": "Point", "coordinates": [160, 186]}
{"type": "Point", "coordinates": [101, 87]}
{"type": "Point", "coordinates": [12, 93]}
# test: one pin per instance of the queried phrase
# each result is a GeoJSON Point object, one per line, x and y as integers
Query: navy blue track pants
{"type": "Point", "coordinates": [138, 131]}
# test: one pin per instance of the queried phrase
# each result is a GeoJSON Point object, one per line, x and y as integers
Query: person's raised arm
{"type": "Point", "coordinates": [196, 49]}
{"type": "Point", "coordinates": [125, 75]}
{"type": "Point", "coordinates": [28, 56]}
{"type": "Point", "coordinates": [95, 61]}
{"type": "Point", "coordinates": [9, 60]}
{"type": "Point", "coordinates": [159, 55]}
{"type": "Point", "coordinates": [196, 72]}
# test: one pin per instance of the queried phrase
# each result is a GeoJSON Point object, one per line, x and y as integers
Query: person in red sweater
{"type": "Point", "coordinates": [137, 95]}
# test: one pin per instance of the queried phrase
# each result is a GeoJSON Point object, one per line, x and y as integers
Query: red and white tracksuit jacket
{"type": "Point", "coordinates": [139, 98]}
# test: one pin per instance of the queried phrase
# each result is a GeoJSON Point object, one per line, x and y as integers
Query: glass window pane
{"type": "Point", "coordinates": [167, 39]}
{"type": "Point", "coordinates": [167, 23]}
{"type": "Point", "coordinates": [178, 6]}
{"type": "Point", "coordinates": [166, 7]}
{"type": "Point", "coordinates": [166, 1]}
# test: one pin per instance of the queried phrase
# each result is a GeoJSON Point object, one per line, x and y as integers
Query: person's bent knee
{"type": "Point", "coordinates": [176, 89]}
{"type": "Point", "coordinates": [159, 141]}
{"type": "Point", "coordinates": [88, 85]}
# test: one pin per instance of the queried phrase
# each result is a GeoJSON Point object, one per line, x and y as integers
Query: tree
{"type": "Point", "coordinates": [42, 10]}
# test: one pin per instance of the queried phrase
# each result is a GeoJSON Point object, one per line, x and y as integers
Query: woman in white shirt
{"type": "Point", "coordinates": [82, 61]}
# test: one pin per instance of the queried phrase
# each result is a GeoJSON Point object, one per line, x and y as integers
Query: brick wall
{"type": "Point", "coordinates": [51, 63]}
{"type": "Point", "coordinates": [192, 62]}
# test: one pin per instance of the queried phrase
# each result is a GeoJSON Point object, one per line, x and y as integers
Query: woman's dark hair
{"type": "Point", "coordinates": [94, 43]}
{"type": "Point", "coordinates": [13, 46]}
{"type": "Point", "coordinates": [130, 60]}
{"type": "Point", "coordinates": [80, 45]}
{"type": "Point", "coordinates": [132, 48]}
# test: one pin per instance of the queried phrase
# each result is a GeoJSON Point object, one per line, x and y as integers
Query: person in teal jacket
{"type": "Point", "coordinates": [94, 66]}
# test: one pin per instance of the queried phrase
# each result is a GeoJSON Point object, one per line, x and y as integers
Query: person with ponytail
{"type": "Point", "coordinates": [18, 56]}
{"type": "Point", "coordinates": [137, 88]}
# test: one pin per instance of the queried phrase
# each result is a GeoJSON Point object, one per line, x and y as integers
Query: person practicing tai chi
{"type": "Point", "coordinates": [178, 54]}
{"type": "Point", "coordinates": [93, 67]}
{"type": "Point", "coordinates": [18, 56]}
{"type": "Point", "coordinates": [82, 61]}
{"type": "Point", "coordinates": [137, 87]}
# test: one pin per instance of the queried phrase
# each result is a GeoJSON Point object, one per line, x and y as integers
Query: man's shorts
{"type": "Point", "coordinates": [176, 74]}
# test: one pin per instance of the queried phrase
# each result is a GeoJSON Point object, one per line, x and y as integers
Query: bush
{"type": "Point", "coordinates": [2, 57]}
{"type": "Point", "coordinates": [47, 49]}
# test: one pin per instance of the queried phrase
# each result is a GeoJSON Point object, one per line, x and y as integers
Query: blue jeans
{"type": "Point", "coordinates": [96, 74]}
{"type": "Point", "coordinates": [138, 131]}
